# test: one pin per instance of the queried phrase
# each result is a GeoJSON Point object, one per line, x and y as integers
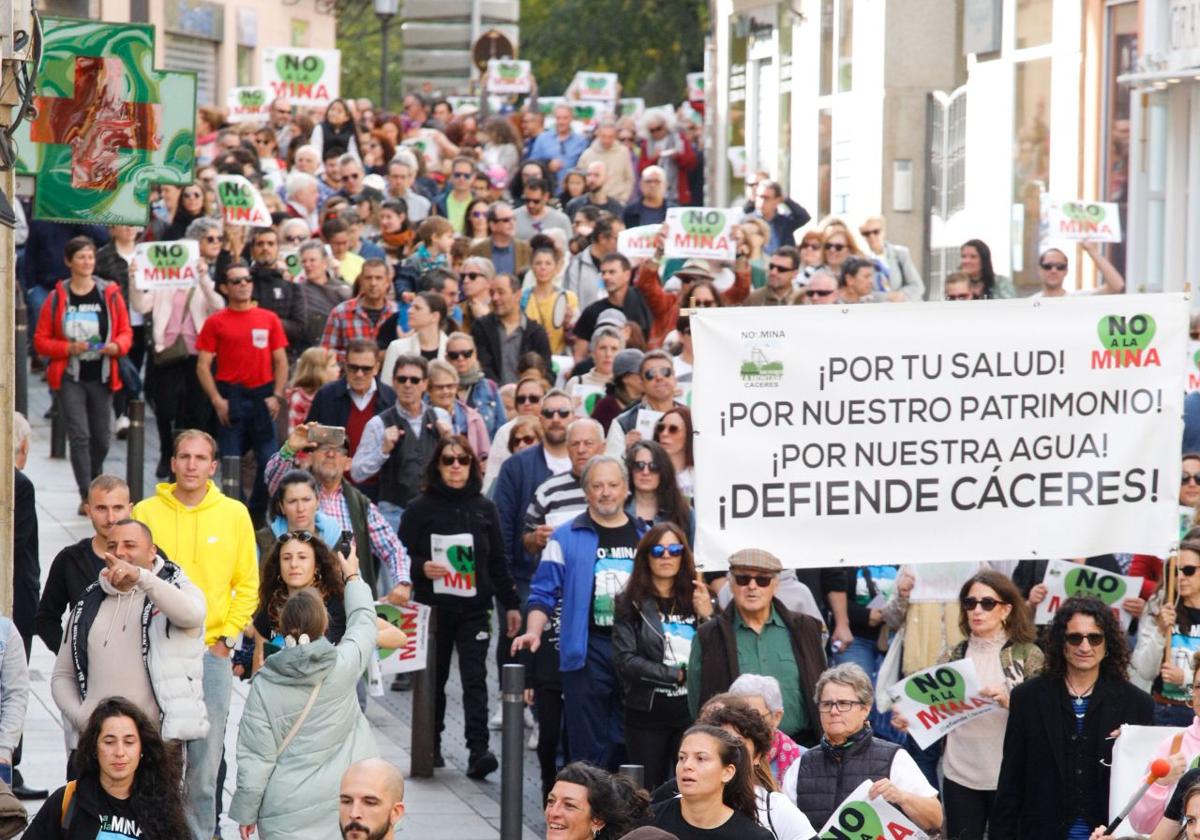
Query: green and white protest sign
{"type": "Point", "coordinates": [413, 619]}
{"type": "Point", "coordinates": [291, 258]}
{"type": "Point", "coordinates": [695, 87]}
{"type": "Point", "coordinates": [248, 104]}
{"type": "Point", "coordinates": [586, 397]}
{"type": "Point", "coordinates": [165, 265]}
{"type": "Point", "coordinates": [507, 75]}
{"type": "Point", "coordinates": [701, 233]}
{"type": "Point", "coordinates": [588, 85]}
{"type": "Point", "coordinates": [637, 243]}
{"type": "Point", "coordinates": [940, 699]}
{"type": "Point", "coordinates": [861, 818]}
{"type": "Point", "coordinates": [1098, 221]}
{"type": "Point", "coordinates": [631, 106]}
{"type": "Point", "coordinates": [306, 77]}
{"type": "Point", "coordinates": [241, 203]}
{"type": "Point", "coordinates": [1065, 579]}
{"type": "Point", "coordinates": [456, 553]}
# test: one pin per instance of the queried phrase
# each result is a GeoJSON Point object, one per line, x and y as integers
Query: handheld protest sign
{"type": "Point", "coordinates": [507, 75]}
{"type": "Point", "coordinates": [861, 818]}
{"type": "Point", "coordinates": [701, 233]}
{"type": "Point", "coordinates": [248, 104]}
{"type": "Point", "coordinates": [938, 700]}
{"type": "Point", "coordinates": [166, 265]}
{"type": "Point", "coordinates": [241, 203]}
{"type": "Point", "coordinates": [455, 552]}
{"type": "Point", "coordinates": [637, 243]}
{"type": "Point", "coordinates": [1065, 579]}
{"type": "Point", "coordinates": [306, 77]}
{"type": "Point", "coordinates": [413, 619]}
{"type": "Point", "coordinates": [1097, 221]}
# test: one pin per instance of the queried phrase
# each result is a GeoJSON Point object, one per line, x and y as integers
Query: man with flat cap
{"type": "Point", "coordinates": [757, 634]}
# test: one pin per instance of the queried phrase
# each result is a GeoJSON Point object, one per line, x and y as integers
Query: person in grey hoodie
{"type": "Point", "coordinates": [138, 633]}
{"type": "Point", "coordinates": [14, 694]}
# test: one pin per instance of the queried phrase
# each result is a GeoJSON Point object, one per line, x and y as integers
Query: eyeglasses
{"type": "Point", "coordinates": [659, 551]}
{"type": "Point", "coordinates": [763, 581]}
{"type": "Point", "coordinates": [782, 269]}
{"type": "Point", "coordinates": [526, 441]}
{"type": "Point", "coordinates": [843, 706]}
{"type": "Point", "coordinates": [237, 281]}
{"type": "Point", "coordinates": [532, 202]}
{"type": "Point", "coordinates": [263, 141]}
{"type": "Point", "coordinates": [820, 292]}
{"type": "Point", "coordinates": [408, 380]}
{"type": "Point", "coordinates": [479, 214]}
{"type": "Point", "coordinates": [472, 275]}
{"type": "Point", "coordinates": [988, 604]}
{"type": "Point", "coordinates": [1194, 478]}
{"type": "Point", "coordinates": [351, 176]}
{"type": "Point", "coordinates": [1188, 571]}
{"type": "Point", "coordinates": [451, 460]}
{"type": "Point", "coordinates": [1093, 639]}
{"type": "Point", "coordinates": [1053, 266]}
{"type": "Point", "coordinates": [672, 428]}
{"type": "Point", "coordinates": [444, 386]}
{"type": "Point", "coordinates": [625, 138]}
{"type": "Point", "coordinates": [811, 246]}
{"type": "Point", "coordinates": [297, 237]}
{"type": "Point", "coordinates": [499, 219]}
{"type": "Point", "coordinates": [561, 413]}
{"type": "Point", "coordinates": [872, 232]}
{"type": "Point", "coordinates": [302, 536]}
{"type": "Point", "coordinates": [193, 195]}
{"type": "Point", "coordinates": [657, 373]}
{"type": "Point", "coordinates": [212, 239]}
{"type": "Point", "coordinates": [461, 175]}
{"type": "Point", "coordinates": [359, 368]}
{"type": "Point", "coordinates": [834, 246]}
{"type": "Point", "coordinates": [645, 466]}
{"type": "Point", "coordinates": [963, 296]}
{"type": "Point", "coordinates": [527, 399]}
{"type": "Point", "coordinates": [703, 303]}
{"type": "Point", "coordinates": [455, 355]}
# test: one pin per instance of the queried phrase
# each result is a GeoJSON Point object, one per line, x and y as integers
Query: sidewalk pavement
{"type": "Point", "coordinates": [447, 807]}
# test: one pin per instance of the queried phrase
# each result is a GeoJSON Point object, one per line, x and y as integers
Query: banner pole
{"type": "Point", "coordinates": [1169, 570]}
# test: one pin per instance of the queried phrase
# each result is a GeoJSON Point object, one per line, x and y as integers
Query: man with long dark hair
{"type": "Point", "coordinates": [1071, 712]}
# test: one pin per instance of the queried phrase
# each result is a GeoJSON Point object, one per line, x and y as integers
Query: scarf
{"type": "Point", "coordinates": [836, 750]}
{"type": "Point", "coordinates": [471, 377]}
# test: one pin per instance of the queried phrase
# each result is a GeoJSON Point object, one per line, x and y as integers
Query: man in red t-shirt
{"type": "Point", "coordinates": [250, 349]}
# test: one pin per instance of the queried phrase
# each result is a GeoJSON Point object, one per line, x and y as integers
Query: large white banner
{"type": "Point", "coordinates": [938, 432]}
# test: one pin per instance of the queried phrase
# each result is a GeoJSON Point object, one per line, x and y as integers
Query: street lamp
{"type": "Point", "coordinates": [385, 10]}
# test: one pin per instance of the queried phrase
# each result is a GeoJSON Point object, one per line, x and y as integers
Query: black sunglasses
{"type": "Point", "coordinates": [212, 239]}
{"type": "Point", "coordinates": [659, 551]}
{"type": "Point", "coordinates": [556, 412]}
{"type": "Point", "coordinates": [834, 246]}
{"type": "Point", "coordinates": [763, 581]}
{"type": "Point", "coordinates": [409, 380]}
{"type": "Point", "coordinates": [1053, 266]}
{"type": "Point", "coordinates": [1194, 478]}
{"type": "Point", "coordinates": [657, 373]}
{"type": "Point", "coordinates": [451, 460]}
{"type": "Point", "coordinates": [782, 269]}
{"type": "Point", "coordinates": [302, 536]}
{"type": "Point", "coordinates": [645, 466]}
{"type": "Point", "coordinates": [453, 355]}
{"type": "Point", "coordinates": [525, 441]}
{"type": "Point", "coordinates": [988, 604]}
{"type": "Point", "coordinates": [526, 399]}
{"type": "Point", "coordinates": [472, 275]}
{"type": "Point", "coordinates": [820, 292]}
{"type": "Point", "coordinates": [1093, 639]}
{"type": "Point", "coordinates": [237, 281]}
{"type": "Point", "coordinates": [359, 368]}
{"type": "Point", "coordinates": [1188, 571]}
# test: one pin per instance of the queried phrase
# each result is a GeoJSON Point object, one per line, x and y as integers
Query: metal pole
{"type": "Point", "coordinates": [135, 451]}
{"type": "Point", "coordinates": [58, 429]}
{"type": "Point", "coordinates": [634, 771]}
{"type": "Point", "coordinates": [21, 356]}
{"type": "Point", "coordinates": [512, 756]}
{"type": "Point", "coordinates": [384, 22]}
{"type": "Point", "coordinates": [231, 476]}
{"type": "Point", "coordinates": [424, 727]}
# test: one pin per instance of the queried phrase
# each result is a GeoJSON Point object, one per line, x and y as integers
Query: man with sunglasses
{"type": "Point", "coordinates": [475, 280]}
{"type": "Point", "coordinates": [401, 173]}
{"type": "Point", "coordinates": [782, 267]}
{"type": "Point", "coordinates": [248, 344]}
{"type": "Point", "coordinates": [782, 215]}
{"type": "Point", "coordinates": [651, 208]}
{"type": "Point", "coordinates": [901, 275]}
{"type": "Point", "coordinates": [536, 215]}
{"type": "Point", "coordinates": [452, 203]}
{"type": "Point", "coordinates": [1052, 272]}
{"type": "Point", "coordinates": [757, 634]}
{"type": "Point", "coordinates": [658, 395]}
{"type": "Point", "coordinates": [821, 289]}
{"type": "Point", "coordinates": [354, 399]}
{"type": "Point", "coordinates": [508, 254]}
{"type": "Point", "coordinates": [353, 173]}
{"type": "Point", "coordinates": [272, 288]}
{"type": "Point", "coordinates": [1054, 777]}
{"type": "Point", "coordinates": [583, 568]}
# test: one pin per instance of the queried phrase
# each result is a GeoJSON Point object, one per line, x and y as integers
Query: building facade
{"type": "Point", "coordinates": [221, 43]}
{"type": "Point", "coordinates": [936, 114]}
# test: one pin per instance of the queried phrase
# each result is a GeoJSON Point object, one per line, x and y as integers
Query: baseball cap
{"type": "Point", "coordinates": [627, 361]}
{"type": "Point", "coordinates": [755, 559]}
{"type": "Point", "coordinates": [611, 318]}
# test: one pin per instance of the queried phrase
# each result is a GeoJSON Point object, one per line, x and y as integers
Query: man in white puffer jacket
{"type": "Point", "coordinates": [137, 632]}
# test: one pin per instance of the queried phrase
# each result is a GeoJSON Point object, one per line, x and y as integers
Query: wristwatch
{"type": "Point", "coordinates": [229, 642]}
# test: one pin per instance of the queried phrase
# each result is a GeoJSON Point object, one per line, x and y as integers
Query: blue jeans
{"type": "Point", "coordinates": [1168, 715]}
{"type": "Point", "coordinates": [593, 711]}
{"type": "Point", "coordinates": [250, 428]}
{"type": "Point", "coordinates": [34, 298]}
{"type": "Point", "coordinates": [204, 755]}
{"type": "Point", "coordinates": [862, 652]}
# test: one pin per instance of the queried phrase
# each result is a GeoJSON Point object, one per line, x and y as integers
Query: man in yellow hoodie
{"type": "Point", "coordinates": [210, 537]}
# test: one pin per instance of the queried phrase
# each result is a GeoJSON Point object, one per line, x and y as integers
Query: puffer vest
{"type": "Point", "coordinates": [826, 777]}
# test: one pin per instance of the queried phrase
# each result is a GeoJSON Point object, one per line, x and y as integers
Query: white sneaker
{"type": "Point", "coordinates": [530, 723]}
{"type": "Point", "coordinates": [531, 744]}
{"type": "Point", "coordinates": [121, 428]}
{"type": "Point", "coordinates": [497, 721]}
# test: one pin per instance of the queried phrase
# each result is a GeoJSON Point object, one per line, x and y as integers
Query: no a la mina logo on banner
{"type": "Point", "coordinates": [861, 818]}
{"type": "Point", "coordinates": [938, 700]}
{"type": "Point", "coordinates": [762, 360]}
{"type": "Point", "coordinates": [1126, 342]}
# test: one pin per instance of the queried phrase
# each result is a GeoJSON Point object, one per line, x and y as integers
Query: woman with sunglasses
{"type": "Point", "coordinates": [1000, 642]}
{"type": "Point", "coordinates": [475, 227]}
{"type": "Point", "coordinates": [474, 388]}
{"type": "Point", "coordinates": [655, 621]}
{"type": "Point", "coordinates": [527, 402]}
{"type": "Point", "coordinates": [655, 496]}
{"type": "Point", "coordinates": [673, 433]}
{"type": "Point", "coordinates": [975, 259]}
{"type": "Point", "coordinates": [452, 532]}
{"type": "Point", "coordinates": [811, 248]}
{"type": "Point", "coordinates": [1180, 623]}
{"type": "Point", "coordinates": [464, 420]}
{"type": "Point", "coordinates": [838, 244]}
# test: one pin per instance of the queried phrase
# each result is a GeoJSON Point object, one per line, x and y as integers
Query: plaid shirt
{"type": "Point", "coordinates": [349, 321]}
{"type": "Point", "coordinates": [385, 543]}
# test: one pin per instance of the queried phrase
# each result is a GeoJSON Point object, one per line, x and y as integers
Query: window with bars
{"type": "Point", "coordinates": [948, 152]}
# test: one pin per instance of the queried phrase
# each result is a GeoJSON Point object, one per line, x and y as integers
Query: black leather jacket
{"type": "Point", "coordinates": [637, 644]}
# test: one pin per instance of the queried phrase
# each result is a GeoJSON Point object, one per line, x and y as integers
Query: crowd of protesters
{"type": "Point", "coordinates": [447, 384]}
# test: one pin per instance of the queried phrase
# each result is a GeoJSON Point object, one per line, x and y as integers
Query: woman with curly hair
{"type": "Point", "coordinates": [1054, 777]}
{"type": "Point", "coordinates": [587, 803]}
{"type": "Point", "coordinates": [128, 785]}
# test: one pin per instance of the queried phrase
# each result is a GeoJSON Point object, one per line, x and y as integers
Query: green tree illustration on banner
{"type": "Point", "coordinates": [108, 125]}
